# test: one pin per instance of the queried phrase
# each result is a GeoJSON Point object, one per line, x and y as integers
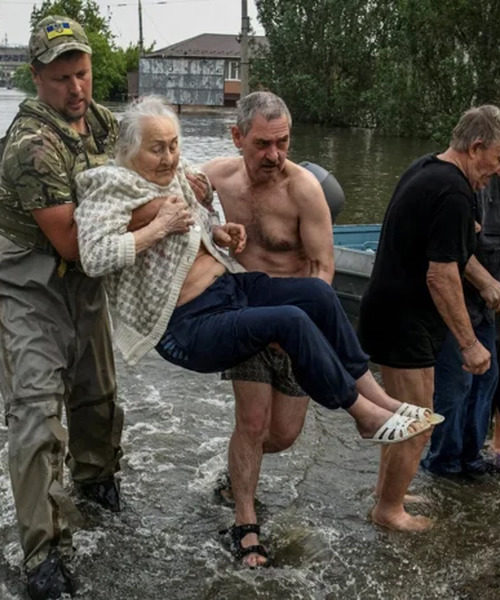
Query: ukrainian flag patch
{"type": "Point", "coordinates": [58, 29]}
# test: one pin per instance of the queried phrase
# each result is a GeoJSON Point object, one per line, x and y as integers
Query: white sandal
{"type": "Point", "coordinates": [396, 429]}
{"type": "Point", "coordinates": [419, 413]}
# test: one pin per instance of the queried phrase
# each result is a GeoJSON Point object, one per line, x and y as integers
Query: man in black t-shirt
{"type": "Point", "coordinates": [415, 292]}
{"type": "Point", "coordinates": [463, 398]}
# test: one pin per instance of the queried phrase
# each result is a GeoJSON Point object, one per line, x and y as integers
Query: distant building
{"type": "Point", "coordinates": [11, 58]}
{"type": "Point", "coordinates": [203, 70]}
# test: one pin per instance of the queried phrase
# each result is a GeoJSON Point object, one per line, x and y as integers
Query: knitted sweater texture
{"type": "Point", "coordinates": [142, 289]}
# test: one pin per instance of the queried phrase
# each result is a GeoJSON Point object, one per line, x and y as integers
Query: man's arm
{"type": "Point", "coordinates": [445, 287]}
{"type": "Point", "coordinates": [58, 225]}
{"type": "Point", "coordinates": [315, 227]}
{"type": "Point", "coordinates": [38, 170]}
{"type": "Point", "coordinates": [487, 286]}
{"type": "Point", "coordinates": [143, 215]}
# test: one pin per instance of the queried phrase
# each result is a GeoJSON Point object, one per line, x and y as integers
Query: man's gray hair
{"type": "Point", "coordinates": [267, 104]}
{"type": "Point", "coordinates": [130, 133]}
{"type": "Point", "coordinates": [478, 123]}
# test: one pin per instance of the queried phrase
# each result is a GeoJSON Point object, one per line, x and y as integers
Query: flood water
{"type": "Point", "coordinates": [313, 499]}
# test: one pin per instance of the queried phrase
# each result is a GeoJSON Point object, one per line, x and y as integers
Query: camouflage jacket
{"type": "Point", "coordinates": [41, 158]}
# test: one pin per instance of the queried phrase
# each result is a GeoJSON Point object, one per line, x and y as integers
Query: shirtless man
{"type": "Point", "coordinates": [289, 234]}
{"type": "Point", "coordinates": [215, 315]}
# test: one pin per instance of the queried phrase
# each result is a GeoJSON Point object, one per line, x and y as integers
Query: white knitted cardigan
{"type": "Point", "coordinates": [142, 289]}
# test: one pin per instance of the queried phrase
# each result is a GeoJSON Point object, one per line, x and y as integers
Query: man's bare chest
{"type": "Point", "coordinates": [272, 222]}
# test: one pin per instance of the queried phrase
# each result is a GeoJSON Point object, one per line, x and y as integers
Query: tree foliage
{"type": "Point", "coordinates": [23, 80]}
{"type": "Point", "coordinates": [110, 64]}
{"type": "Point", "coordinates": [313, 60]}
{"type": "Point", "coordinates": [408, 67]}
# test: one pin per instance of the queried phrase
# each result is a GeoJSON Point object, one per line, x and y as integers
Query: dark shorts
{"type": "Point", "coordinates": [269, 366]}
{"type": "Point", "coordinates": [402, 340]}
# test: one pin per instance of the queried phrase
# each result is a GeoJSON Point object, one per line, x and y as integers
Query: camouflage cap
{"type": "Point", "coordinates": [54, 35]}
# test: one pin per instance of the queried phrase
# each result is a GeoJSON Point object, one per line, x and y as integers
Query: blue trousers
{"type": "Point", "coordinates": [465, 400]}
{"type": "Point", "coordinates": [239, 315]}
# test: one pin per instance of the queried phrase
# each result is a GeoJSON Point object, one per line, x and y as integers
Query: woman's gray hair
{"type": "Point", "coordinates": [480, 123]}
{"type": "Point", "coordinates": [266, 104]}
{"type": "Point", "coordinates": [130, 132]}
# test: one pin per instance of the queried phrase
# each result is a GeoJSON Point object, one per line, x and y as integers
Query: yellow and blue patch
{"type": "Point", "coordinates": [57, 29]}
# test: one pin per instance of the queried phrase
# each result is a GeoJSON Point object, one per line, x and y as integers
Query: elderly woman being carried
{"type": "Point", "coordinates": [172, 287]}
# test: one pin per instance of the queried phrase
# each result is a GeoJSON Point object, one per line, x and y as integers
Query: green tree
{"type": "Point", "coordinates": [110, 64]}
{"type": "Point", "coordinates": [408, 67]}
{"type": "Point", "coordinates": [440, 59]}
{"type": "Point", "coordinates": [86, 12]}
{"type": "Point", "coordinates": [23, 80]}
{"type": "Point", "coordinates": [319, 57]}
{"type": "Point", "coordinates": [128, 59]}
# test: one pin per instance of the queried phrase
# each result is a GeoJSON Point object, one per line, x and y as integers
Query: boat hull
{"type": "Point", "coordinates": [355, 247]}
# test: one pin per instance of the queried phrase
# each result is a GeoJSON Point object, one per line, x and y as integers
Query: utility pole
{"type": "Point", "coordinates": [245, 28]}
{"type": "Point", "coordinates": [141, 38]}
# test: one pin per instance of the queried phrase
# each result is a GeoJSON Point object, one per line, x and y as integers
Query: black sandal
{"type": "Point", "coordinates": [237, 533]}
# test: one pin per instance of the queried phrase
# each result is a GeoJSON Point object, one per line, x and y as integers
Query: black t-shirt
{"type": "Point", "coordinates": [487, 214]}
{"type": "Point", "coordinates": [429, 218]}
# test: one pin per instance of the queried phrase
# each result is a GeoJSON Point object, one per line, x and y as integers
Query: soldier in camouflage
{"type": "Point", "coordinates": [55, 347]}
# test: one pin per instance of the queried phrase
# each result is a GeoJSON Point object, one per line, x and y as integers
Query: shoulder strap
{"type": "Point", "coordinates": [100, 136]}
{"type": "Point", "coordinates": [4, 138]}
{"type": "Point", "coordinates": [73, 145]}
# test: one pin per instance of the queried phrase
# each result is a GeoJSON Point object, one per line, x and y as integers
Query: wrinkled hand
{"type": "Point", "coordinates": [230, 235]}
{"type": "Point", "coordinates": [174, 216]}
{"type": "Point", "coordinates": [491, 295]}
{"type": "Point", "coordinates": [477, 359]}
{"type": "Point", "coordinates": [199, 185]}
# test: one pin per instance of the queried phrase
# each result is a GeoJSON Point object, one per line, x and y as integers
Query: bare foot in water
{"type": "Point", "coordinates": [401, 521]}
{"type": "Point", "coordinates": [411, 499]}
{"type": "Point", "coordinates": [415, 499]}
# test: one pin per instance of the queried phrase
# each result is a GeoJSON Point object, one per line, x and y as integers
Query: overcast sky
{"type": "Point", "coordinates": [164, 22]}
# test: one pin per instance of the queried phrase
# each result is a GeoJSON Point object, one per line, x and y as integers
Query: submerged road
{"type": "Point", "coordinates": [313, 504]}
{"type": "Point", "coordinates": [313, 499]}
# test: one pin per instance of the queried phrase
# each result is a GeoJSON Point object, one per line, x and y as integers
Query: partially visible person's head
{"type": "Point", "coordinates": [480, 123]}
{"type": "Point", "coordinates": [268, 105]}
{"type": "Point", "coordinates": [262, 133]}
{"type": "Point", "coordinates": [149, 140]}
{"type": "Point", "coordinates": [61, 66]}
{"type": "Point", "coordinates": [55, 35]}
{"type": "Point", "coordinates": [477, 137]}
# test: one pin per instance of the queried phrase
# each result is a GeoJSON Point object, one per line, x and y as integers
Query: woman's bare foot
{"type": "Point", "coordinates": [370, 417]}
{"type": "Point", "coordinates": [368, 387]}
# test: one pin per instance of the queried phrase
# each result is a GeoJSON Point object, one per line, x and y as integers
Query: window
{"type": "Point", "coordinates": [233, 69]}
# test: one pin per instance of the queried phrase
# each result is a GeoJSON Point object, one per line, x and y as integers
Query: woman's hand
{"type": "Point", "coordinates": [230, 235]}
{"type": "Point", "coordinates": [199, 185]}
{"type": "Point", "coordinates": [173, 217]}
